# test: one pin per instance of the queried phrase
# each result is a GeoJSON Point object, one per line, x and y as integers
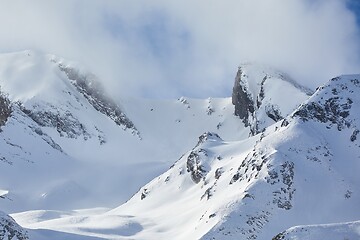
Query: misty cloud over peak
{"type": "Point", "coordinates": [171, 48]}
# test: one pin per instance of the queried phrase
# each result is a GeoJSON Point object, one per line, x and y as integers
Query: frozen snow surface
{"type": "Point", "coordinates": [176, 169]}
{"type": "Point", "coordinates": [349, 230]}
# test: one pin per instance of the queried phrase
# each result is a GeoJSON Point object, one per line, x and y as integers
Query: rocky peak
{"type": "Point", "coordinates": [256, 96]}
{"type": "Point", "coordinates": [332, 103]}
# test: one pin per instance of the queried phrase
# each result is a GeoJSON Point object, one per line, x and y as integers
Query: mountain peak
{"type": "Point", "coordinates": [332, 103]}
{"type": "Point", "coordinates": [256, 96]}
{"type": "Point", "coordinates": [50, 89]}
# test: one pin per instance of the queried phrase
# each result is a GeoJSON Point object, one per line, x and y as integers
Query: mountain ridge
{"type": "Point", "coordinates": [48, 120]}
{"type": "Point", "coordinates": [250, 176]}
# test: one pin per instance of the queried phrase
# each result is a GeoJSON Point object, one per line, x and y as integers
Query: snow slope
{"type": "Point", "coordinates": [74, 147]}
{"type": "Point", "coordinates": [300, 171]}
{"type": "Point", "coordinates": [49, 116]}
{"type": "Point", "coordinates": [349, 230]}
{"type": "Point", "coordinates": [309, 167]}
{"type": "Point", "coordinates": [80, 148]}
{"type": "Point", "coordinates": [276, 164]}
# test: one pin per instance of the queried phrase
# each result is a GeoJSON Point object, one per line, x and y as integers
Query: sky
{"type": "Point", "coordinates": [168, 49]}
{"type": "Point", "coordinates": [354, 5]}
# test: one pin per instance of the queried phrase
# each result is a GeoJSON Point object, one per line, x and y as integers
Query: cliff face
{"type": "Point", "coordinates": [262, 96]}
{"type": "Point", "coordinates": [242, 99]}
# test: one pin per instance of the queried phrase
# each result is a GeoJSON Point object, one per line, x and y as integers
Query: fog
{"type": "Point", "coordinates": [167, 49]}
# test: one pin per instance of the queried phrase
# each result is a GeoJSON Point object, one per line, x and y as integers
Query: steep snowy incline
{"type": "Point", "coordinates": [303, 170]}
{"type": "Point", "coordinates": [50, 124]}
{"type": "Point", "coordinates": [309, 167]}
{"type": "Point", "coordinates": [57, 93]}
{"type": "Point", "coordinates": [300, 171]}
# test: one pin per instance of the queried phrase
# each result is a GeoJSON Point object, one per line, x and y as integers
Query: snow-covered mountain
{"type": "Point", "coordinates": [61, 130]}
{"type": "Point", "coordinates": [250, 166]}
{"type": "Point", "coordinates": [302, 170]}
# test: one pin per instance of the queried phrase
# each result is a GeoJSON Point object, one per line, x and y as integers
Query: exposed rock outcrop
{"type": "Point", "coordinates": [65, 124]}
{"type": "Point", "coordinates": [92, 90]}
{"type": "Point", "coordinates": [195, 165]}
{"type": "Point", "coordinates": [5, 109]}
{"type": "Point", "coordinates": [242, 99]}
{"type": "Point", "coordinates": [334, 108]}
{"type": "Point", "coordinates": [10, 230]}
{"type": "Point", "coordinates": [257, 99]}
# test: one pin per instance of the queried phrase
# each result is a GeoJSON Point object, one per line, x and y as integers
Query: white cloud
{"type": "Point", "coordinates": [167, 48]}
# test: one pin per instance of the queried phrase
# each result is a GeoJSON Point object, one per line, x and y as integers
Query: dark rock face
{"type": "Point", "coordinates": [273, 112]}
{"type": "Point", "coordinates": [94, 93]}
{"type": "Point", "coordinates": [65, 124]}
{"type": "Point", "coordinates": [144, 194]}
{"type": "Point", "coordinates": [333, 109]}
{"type": "Point", "coordinates": [247, 105]}
{"type": "Point", "coordinates": [194, 165]}
{"type": "Point", "coordinates": [207, 136]}
{"type": "Point", "coordinates": [5, 109]}
{"type": "Point", "coordinates": [10, 230]}
{"type": "Point", "coordinates": [280, 236]}
{"type": "Point", "coordinates": [242, 100]}
{"type": "Point", "coordinates": [254, 100]}
{"type": "Point", "coordinates": [218, 173]}
{"type": "Point", "coordinates": [354, 135]}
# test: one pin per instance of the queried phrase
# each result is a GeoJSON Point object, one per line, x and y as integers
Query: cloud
{"type": "Point", "coordinates": [164, 48]}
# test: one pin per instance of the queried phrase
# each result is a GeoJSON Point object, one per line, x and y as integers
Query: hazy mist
{"type": "Point", "coordinates": [168, 49]}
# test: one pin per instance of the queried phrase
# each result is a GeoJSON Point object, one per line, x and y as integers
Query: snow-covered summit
{"type": "Point", "coordinates": [51, 90]}
{"type": "Point", "coordinates": [263, 95]}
